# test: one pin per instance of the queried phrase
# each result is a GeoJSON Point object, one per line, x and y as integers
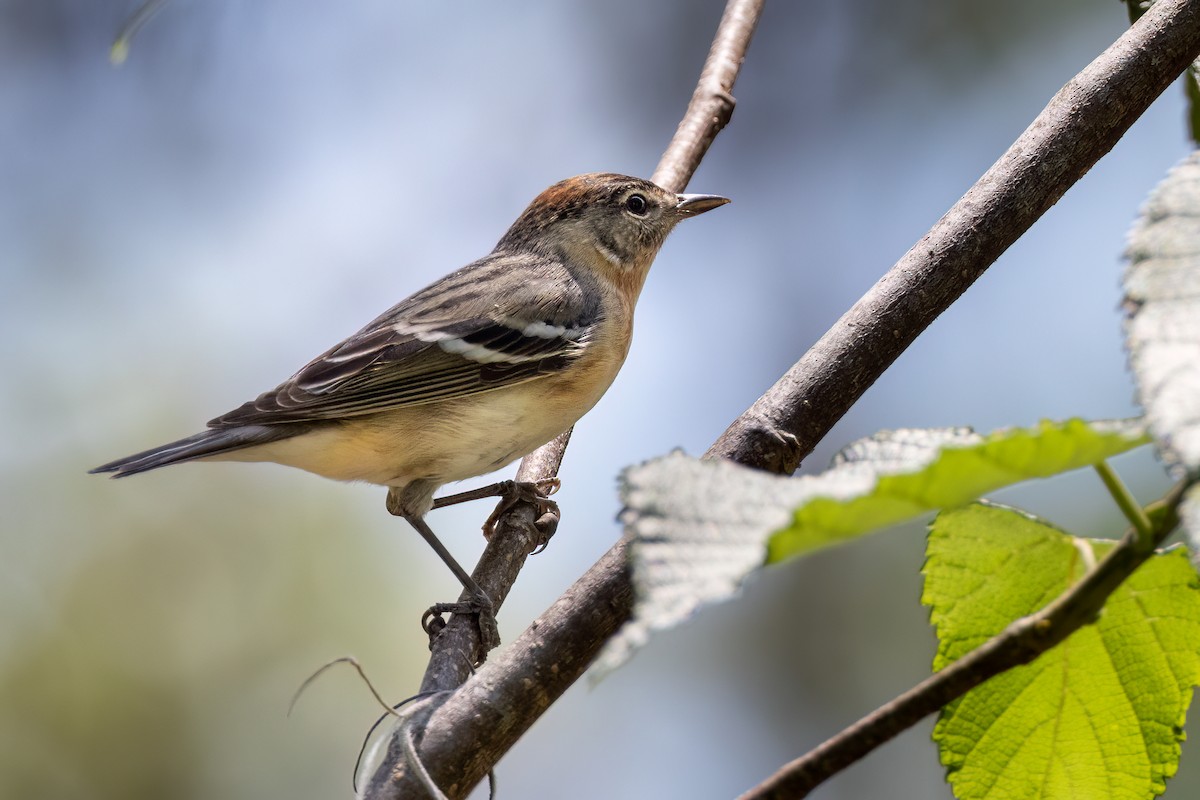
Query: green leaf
{"type": "Point", "coordinates": [1102, 714]}
{"type": "Point", "coordinates": [947, 471]}
{"type": "Point", "coordinates": [699, 528]}
{"type": "Point", "coordinates": [1191, 88]}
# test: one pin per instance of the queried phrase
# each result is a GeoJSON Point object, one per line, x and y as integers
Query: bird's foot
{"type": "Point", "coordinates": [537, 494]}
{"type": "Point", "coordinates": [480, 606]}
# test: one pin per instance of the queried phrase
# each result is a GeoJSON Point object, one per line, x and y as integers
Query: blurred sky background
{"type": "Point", "coordinates": [262, 177]}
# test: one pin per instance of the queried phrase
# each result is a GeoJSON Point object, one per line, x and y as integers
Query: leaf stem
{"type": "Point", "coordinates": [120, 46]}
{"type": "Point", "coordinates": [1126, 502]}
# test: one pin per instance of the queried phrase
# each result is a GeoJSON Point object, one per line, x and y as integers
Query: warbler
{"type": "Point", "coordinates": [473, 372]}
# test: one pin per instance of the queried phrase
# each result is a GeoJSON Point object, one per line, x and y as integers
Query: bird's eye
{"type": "Point", "coordinates": [636, 204]}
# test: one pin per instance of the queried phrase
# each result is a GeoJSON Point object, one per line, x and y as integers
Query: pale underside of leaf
{"type": "Point", "coordinates": [1162, 301]}
{"type": "Point", "coordinates": [699, 528]}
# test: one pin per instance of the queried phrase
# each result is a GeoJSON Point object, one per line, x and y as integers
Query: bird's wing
{"type": "Point", "coordinates": [474, 331]}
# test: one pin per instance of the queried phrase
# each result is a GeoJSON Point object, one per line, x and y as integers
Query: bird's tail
{"type": "Point", "coordinates": [202, 445]}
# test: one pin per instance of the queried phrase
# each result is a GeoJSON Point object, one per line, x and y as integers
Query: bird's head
{"type": "Point", "coordinates": [616, 222]}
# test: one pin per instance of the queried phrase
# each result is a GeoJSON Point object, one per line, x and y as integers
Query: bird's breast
{"type": "Point", "coordinates": [509, 423]}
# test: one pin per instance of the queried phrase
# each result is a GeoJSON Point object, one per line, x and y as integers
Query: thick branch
{"type": "Point", "coordinates": [1081, 124]}
{"type": "Point", "coordinates": [1020, 643]}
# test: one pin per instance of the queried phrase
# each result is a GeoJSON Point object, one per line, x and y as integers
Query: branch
{"type": "Point", "coordinates": [1079, 126]}
{"type": "Point", "coordinates": [1081, 123]}
{"type": "Point", "coordinates": [1020, 643]}
{"type": "Point", "coordinates": [609, 597]}
{"type": "Point", "coordinates": [455, 649]}
{"type": "Point", "coordinates": [711, 105]}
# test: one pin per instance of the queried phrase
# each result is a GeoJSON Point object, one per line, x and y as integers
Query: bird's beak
{"type": "Point", "coordinates": [691, 205]}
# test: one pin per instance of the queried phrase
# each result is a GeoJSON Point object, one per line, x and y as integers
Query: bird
{"type": "Point", "coordinates": [467, 375]}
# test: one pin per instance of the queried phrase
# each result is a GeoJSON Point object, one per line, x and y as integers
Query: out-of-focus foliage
{"type": "Point", "coordinates": [1162, 326]}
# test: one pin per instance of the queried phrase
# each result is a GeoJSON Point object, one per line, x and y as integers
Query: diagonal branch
{"type": "Point", "coordinates": [1020, 643]}
{"type": "Point", "coordinates": [1079, 126]}
{"type": "Point", "coordinates": [455, 649]}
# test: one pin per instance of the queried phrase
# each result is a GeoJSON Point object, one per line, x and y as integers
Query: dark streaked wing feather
{"type": "Point", "coordinates": [408, 355]}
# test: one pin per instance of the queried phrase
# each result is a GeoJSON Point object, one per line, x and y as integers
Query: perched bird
{"type": "Point", "coordinates": [473, 372]}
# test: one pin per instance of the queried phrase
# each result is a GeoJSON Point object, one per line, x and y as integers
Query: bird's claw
{"type": "Point", "coordinates": [536, 493]}
{"type": "Point", "coordinates": [544, 527]}
{"type": "Point", "coordinates": [480, 606]}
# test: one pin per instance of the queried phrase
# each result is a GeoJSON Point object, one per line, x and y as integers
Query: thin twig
{"type": "Point", "coordinates": [352, 661]}
{"type": "Point", "coordinates": [1020, 643]}
{"type": "Point", "coordinates": [413, 762]}
{"type": "Point", "coordinates": [362, 750]}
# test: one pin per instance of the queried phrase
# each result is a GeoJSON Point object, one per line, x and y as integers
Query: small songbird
{"type": "Point", "coordinates": [473, 372]}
